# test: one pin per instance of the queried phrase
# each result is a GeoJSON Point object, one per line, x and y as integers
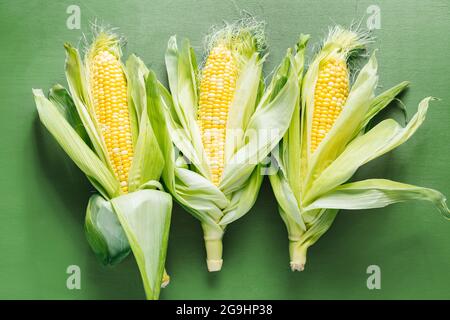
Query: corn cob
{"type": "Point", "coordinates": [218, 84]}
{"type": "Point", "coordinates": [332, 85]}
{"type": "Point", "coordinates": [109, 91]}
{"type": "Point", "coordinates": [330, 94]}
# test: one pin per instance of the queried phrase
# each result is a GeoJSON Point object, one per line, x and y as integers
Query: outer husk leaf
{"type": "Point", "coordinates": [148, 161]}
{"type": "Point", "coordinates": [74, 146]}
{"type": "Point", "coordinates": [377, 193]}
{"type": "Point", "coordinates": [78, 87]}
{"type": "Point", "coordinates": [104, 232]}
{"type": "Point", "coordinates": [381, 139]}
{"type": "Point", "coordinates": [61, 98]}
{"type": "Point", "coordinates": [145, 218]}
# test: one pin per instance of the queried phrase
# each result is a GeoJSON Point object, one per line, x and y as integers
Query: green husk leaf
{"type": "Point", "coordinates": [148, 161]}
{"type": "Point", "coordinates": [200, 193]}
{"type": "Point", "coordinates": [294, 229]}
{"type": "Point", "coordinates": [243, 104]}
{"type": "Point", "coordinates": [378, 193]}
{"type": "Point", "coordinates": [182, 80]}
{"type": "Point", "coordinates": [145, 218]}
{"type": "Point", "coordinates": [382, 101]}
{"type": "Point", "coordinates": [280, 76]}
{"type": "Point", "coordinates": [59, 96]}
{"type": "Point", "coordinates": [74, 146]}
{"type": "Point", "coordinates": [78, 87]}
{"type": "Point", "coordinates": [353, 113]}
{"type": "Point", "coordinates": [243, 200]}
{"type": "Point", "coordinates": [292, 140]}
{"type": "Point", "coordinates": [158, 121]}
{"type": "Point", "coordinates": [266, 127]}
{"type": "Point", "coordinates": [182, 84]}
{"type": "Point", "coordinates": [299, 57]}
{"type": "Point", "coordinates": [136, 72]}
{"type": "Point", "coordinates": [286, 198]}
{"type": "Point", "coordinates": [298, 246]}
{"type": "Point", "coordinates": [384, 137]}
{"type": "Point", "coordinates": [188, 65]}
{"type": "Point", "coordinates": [324, 220]}
{"type": "Point", "coordinates": [104, 232]}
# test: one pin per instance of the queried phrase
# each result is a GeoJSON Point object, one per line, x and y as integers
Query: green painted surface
{"type": "Point", "coordinates": [44, 195]}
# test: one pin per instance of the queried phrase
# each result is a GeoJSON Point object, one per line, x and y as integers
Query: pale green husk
{"type": "Point", "coordinates": [311, 188]}
{"type": "Point", "coordinates": [115, 222]}
{"type": "Point", "coordinates": [253, 113]}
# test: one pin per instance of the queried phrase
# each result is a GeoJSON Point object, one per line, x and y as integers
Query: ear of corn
{"type": "Point", "coordinates": [231, 119]}
{"type": "Point", "coordinates": [318, 159]}
{"type": "Point", "coordinates": [109, 93]}
{"type": "Point", "coordinates": [352, 107]}
{"type": "Point", "coordinates": [218, 84]}
{"type": "Point", "coordinates": [103, 126]}
{"type": "Point", "coordinates": [326, 85]}
{"type": "Point", "coordinates": [330, 94]}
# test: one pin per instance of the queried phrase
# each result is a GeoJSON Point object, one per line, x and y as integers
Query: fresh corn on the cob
{"type": "Point", "coordinates": [327, 142]}
{"type": "Point", "coordinates": [109, 91]}
{"type": "Point", "coordinates": [225, 126]}
{"type": "Point", "coordinates": [97, 126]}
{"type": "Point", "coordinates": [330, 94]}
{"type": "Point", "coordinates": [217, 88]}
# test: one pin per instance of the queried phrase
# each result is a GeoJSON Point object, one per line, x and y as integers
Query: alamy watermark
{"type": "Point", "coordinates": [374, 280]}
{"type": "Point", "coordinates": [73, 281]}
{"type": "Point", "coordinates": [374, 20]}
{"type": "Point", "coordinates": [73, 21]}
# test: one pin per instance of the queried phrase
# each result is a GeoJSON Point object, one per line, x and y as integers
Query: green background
{"type": "Point", "coordinates": [44, 195]}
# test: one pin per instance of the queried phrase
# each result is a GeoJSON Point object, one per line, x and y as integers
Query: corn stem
{"type": "Point", "coordinates": [297, 253]}
{"type": "Point", "coordinates": [213, 244]}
